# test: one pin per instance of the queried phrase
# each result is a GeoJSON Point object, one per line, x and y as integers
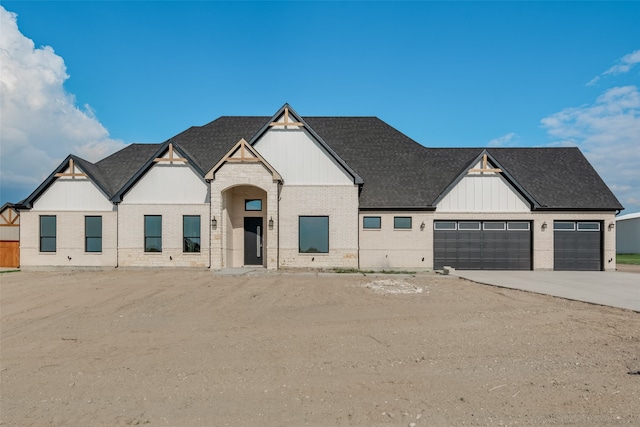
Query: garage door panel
{"type": "Point", "coordinates": [491, 246]}
{"type": "Point", "coordinates": [578, 247]}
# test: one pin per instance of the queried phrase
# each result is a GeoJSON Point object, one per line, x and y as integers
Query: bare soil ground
{"type": "Point", "coordinates": [188, 348]}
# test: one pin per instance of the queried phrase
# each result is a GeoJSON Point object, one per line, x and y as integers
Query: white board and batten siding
{"type": "Point", "coordinates": [300, 159]}
{"type": "Point", "coordinates": [73, 194]}
{"type": "Point", "coordinates": [171, 184]}
{"type": "Point", "coordinates": [483, 192]}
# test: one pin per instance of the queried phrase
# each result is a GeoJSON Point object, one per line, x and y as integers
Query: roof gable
{"type": "Point", "coordinates": [287, 118]}
{"type": "Point", "coordinates": [68, 169]}
{"type": "Point", "coordinates": [166, 153]}
{"type": "Point", "coordinates": [243, 152]}
{"type": "Point", "coordinates": [484, 164]}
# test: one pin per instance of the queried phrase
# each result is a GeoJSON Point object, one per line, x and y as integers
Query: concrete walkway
{"type": "Point", "coordinates": [612, 288]}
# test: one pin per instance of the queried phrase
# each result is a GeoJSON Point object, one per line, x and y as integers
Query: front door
{"type": "Point", "coordinates": [253, 241]}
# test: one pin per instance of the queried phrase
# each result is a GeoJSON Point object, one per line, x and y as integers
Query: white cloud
{"type": "Point", "coordinates": [508, 140]}
{"type": "Point", "coordinates": [40, 123]}
{"type": "Point", "coordinates": [624, 65]}
{"type": "Point", "coordinates": [608, 133]}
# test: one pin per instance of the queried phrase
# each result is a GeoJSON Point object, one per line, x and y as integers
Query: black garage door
{"type": "Point", "coordinates": [577, 245]}
{"type": "Point", "coordinates": [482, 245]}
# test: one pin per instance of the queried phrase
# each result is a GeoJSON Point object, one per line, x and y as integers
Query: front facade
{"type": "Point", "coordinates": [320, 192]}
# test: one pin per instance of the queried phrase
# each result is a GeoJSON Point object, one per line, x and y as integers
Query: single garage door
{"type": "Point", "coordinates": [482, 245]}
{"type": "Point", "coordinates": [577, 245]}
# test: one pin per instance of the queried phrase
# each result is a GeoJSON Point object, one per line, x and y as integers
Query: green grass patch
{"type": "Point", "coordinates": [8, 271]}
{"type": "Point", "coordinates": [628, 259]}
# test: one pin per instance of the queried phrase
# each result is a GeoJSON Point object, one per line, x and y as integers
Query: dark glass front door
{"type": "Point", "coordinates": [253, 241]}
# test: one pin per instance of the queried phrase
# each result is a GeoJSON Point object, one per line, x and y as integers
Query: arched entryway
{"type": "Point", "coordinates": [244, 226]}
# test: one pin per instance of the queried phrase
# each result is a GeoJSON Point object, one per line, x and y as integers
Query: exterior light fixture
{"type": "Point", "coordinates": [544, 225]}
{"type": "Point", "coordinates": [422, 226]}
{"type": "Point", "coordinates": [271, 223]}
{"type": "Point", "coordinates": [214, 223]}
{"type": "Point", "coordinates": [611, 226]}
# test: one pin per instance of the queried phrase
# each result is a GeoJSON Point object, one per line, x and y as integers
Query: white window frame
{"type": "Point", "coordinates": [528, 224]}
{"type": "Point", "coordinates": [469, 223]}
{"type": "Point", "coordinates": [573, 223]}
{"type": "Point", "coordinates": [588, 229]}
{"type": "Point", "coordinates": [437, 223]}
{"type": "Point", "coordinates": [503, 223]}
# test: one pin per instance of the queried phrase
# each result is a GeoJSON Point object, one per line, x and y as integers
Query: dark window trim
{"type": "Point", "coordinates": [146, 236]}
{"type": "Point", "coordinates": [246, 201]}
{"type": "Point", "coordinates": [395, 227]}
{"type": "Point", "coordinates": [184, 235]}
{"type": "Point", "coordinates": [328, 234]}
{"type": "Point", "coordinates": [87, 237]}
{"type": "Point", "coordinates": [54, 236]}
{"type": "Point", "coordinates": [372, 217]}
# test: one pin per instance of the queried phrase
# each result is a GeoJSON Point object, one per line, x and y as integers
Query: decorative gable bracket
{"type": "Point", "coordinates": [243, 152]}
{"type": "Point", "coordinates": [171, 157]}
{"type": "Point", "coordinates": [485, 166]}
{"type": "Point", "coordinates": [72, 171]}
{"type": "Point", "coordinates": [286, 121]}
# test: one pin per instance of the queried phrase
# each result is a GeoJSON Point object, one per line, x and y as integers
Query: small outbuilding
{"type": "Point", "coordinates": [9, 236]}
{"type": "Point", "coordinates": [628, 234]}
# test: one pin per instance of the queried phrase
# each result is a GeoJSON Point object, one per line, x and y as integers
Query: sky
{"type": "Point", "coordinates": [88, 78]}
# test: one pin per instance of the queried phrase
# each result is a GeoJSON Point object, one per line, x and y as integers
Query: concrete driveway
{"type": "Point", "coordinates": [615, 289]}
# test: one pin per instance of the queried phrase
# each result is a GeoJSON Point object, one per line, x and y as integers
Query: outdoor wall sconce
{"type": "Point", "coordinates": [271, 223]}
{"type": "Point", "coordinates": [611, 226]}
{"type": "Point", "coordinates": [214, 223]}
{"type": "Point", "coordinates": [422, 226]}
{"type": "Point", "coordinates": [544, 225]}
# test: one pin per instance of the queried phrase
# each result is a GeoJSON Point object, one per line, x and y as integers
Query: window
{"type": "Point", "coordinates": [313, 234]}
{"type": "Point", "coordinates": [444, 225]}
{"type": "Point", "coordinates": [588, 226]}
{"type": "Point", "coordinates": [494, 226]}
{"type": "Point", "coordinates": [371, 222]}
{"type": "Point", "coordinates": [564, 226]}
{"type": "Point", "coordinates": [93, 234]}
{"type": "Point", "coordinates": [517, 226]}
{"type": "Point", "coordinates": [47, 233]}
{"type": "Point", "coordinates": [153, 233]}
{"type": "Point", "coordinates": [253, 205]}
{"type": "Point", "coordinates": [191, 233]}
{"type": "Point", "coordinates": [468, 226]}
{"type": "Point", "coordinates": [402, 222]}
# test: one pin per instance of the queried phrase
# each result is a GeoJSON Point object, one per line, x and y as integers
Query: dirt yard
{"type": "Point", "coordinates": [188, 348]}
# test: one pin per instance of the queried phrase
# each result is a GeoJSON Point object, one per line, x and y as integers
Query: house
{"type": "Point", "coordinates": [9, 236]}
{"type": "Point", "coordinates": [321, 192]}
{"type": "Point", "coordinates": [628, 234]}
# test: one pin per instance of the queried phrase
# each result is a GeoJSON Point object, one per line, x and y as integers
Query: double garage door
{"type": "Point", "coordinates": [482, 245]}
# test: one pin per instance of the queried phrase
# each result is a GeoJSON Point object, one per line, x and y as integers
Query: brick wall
{"type": "Point", "coordinates": [131, 236]}
{"type": "Point", "coordinates": [70, 240]}
{"type": "Point", "coordinates": [397, 249]}
{"type": "Point", "coordinates": [340, 204]}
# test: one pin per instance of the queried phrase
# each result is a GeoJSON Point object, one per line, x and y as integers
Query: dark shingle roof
{"type": "Point", "coordinates": [396, 170]}
{"type": "Point", "coordinates": [559, 178]}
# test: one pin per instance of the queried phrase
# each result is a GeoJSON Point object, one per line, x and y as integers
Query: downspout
{"type": "Point", "coordinates": [209, 225]}
{"type": "Point", "coordinates": [117, 235]}
{"type": "Point", "coordinates": [278, 218]}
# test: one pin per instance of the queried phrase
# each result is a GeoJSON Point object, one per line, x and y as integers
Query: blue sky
{"type": "Point", "coordinates": [100, 75]}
